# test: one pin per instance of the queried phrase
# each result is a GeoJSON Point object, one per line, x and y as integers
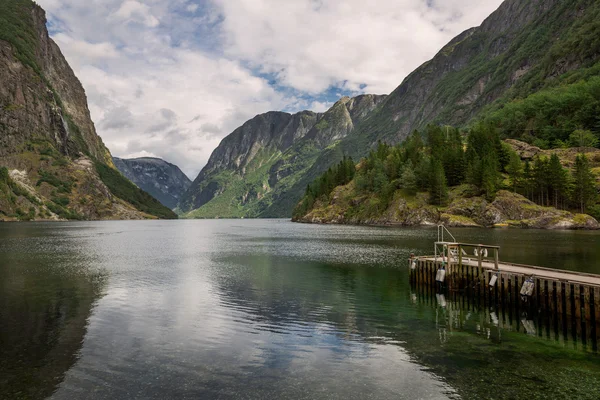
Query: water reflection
{"type": "Point", "coordinates": [44, 311]}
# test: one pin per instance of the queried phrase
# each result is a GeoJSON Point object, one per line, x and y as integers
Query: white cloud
{"type": "Point", "coordinates": [135, 11]}
{"type": "Point", "coordinates": [80, 49]}
{"type": "Point", "coordinates": [192, 8]}
{"type": "Point", "coordinates": [311, 45]}
{"type": "Point", "coordinates": [141, 154]}
{"type": "Point", "coordinates": [320, 106]}
{"type": "Point", "coordinates": [172, 78]}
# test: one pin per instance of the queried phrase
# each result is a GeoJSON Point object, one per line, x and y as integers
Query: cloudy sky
{"type": "Point", "coordinates": [171, 78]}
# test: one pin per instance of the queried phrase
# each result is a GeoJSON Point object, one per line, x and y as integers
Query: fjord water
{"type": "Point", "coordinates": [267, 309]}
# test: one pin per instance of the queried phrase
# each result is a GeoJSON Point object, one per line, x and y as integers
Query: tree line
{"type": "Point", "coordinates": [442, 157]}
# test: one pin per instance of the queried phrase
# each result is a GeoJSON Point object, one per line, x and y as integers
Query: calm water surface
{"type": "Point", "coordinates": [269, 309]}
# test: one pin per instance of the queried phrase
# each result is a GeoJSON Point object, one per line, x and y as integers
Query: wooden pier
{"type": "Point", "coordinates": [476, 269]}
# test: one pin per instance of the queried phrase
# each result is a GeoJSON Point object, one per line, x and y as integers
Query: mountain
{"type": "Point", "coordinates": [256, 164]}
{"type": "Point", "coordinates": [53, 165]}
{"type": "Point", "coordinates": [493, 72]}
{"type": "Point", "coordinates": [162, 180]}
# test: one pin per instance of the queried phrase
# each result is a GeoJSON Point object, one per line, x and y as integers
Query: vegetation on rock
{"type": "Point", "coordinates": [481, 164]}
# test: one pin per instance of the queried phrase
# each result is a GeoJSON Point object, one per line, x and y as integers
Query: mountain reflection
{"type": "Point", "coordinates": [44, 308]}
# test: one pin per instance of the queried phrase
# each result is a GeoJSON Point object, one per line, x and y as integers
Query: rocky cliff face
{"type": "Point", "coordinates": [41, 97]}
{"type": "Point", "coordinates": [259, 161]}
{"type": "Point", "coordinates": [162, 180]}
{"type": "Point", "coordinates": [50, 154]}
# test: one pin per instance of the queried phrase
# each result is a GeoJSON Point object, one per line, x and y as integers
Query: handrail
{"type": "Point", "coordinates": [485, 246]}
{"type": "Point", "coordinates": [441, 230]}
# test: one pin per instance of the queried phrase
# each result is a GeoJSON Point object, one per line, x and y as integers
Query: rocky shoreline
{"type": "Point", "coordinates": [507, 210]}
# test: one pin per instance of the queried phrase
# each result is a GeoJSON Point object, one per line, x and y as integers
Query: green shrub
{"type": "Point", "coordinates": [3, 175]}
{"type": "Point", "coordinates": [61, 201]}
{"type": "Point", "coordinates": [52, 179]}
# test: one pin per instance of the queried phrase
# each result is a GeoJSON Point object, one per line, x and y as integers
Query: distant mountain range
{"type": "Point", "coordinates": [531, 69]}
{"type": "Point", "coordinates": [163, 180]}
{"type": "Point", "coordinates": [524, 48]}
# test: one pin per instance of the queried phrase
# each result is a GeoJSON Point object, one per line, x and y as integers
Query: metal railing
{"type": "Point", "coordinates": [455, 253]}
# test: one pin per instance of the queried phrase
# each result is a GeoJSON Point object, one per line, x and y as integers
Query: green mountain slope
{"type": "Point", "coordinates": [259, 162]}
{"type": "Point", "coordinates": [56, 166]}
{"type": "Point", "coordinates": [524, 48]}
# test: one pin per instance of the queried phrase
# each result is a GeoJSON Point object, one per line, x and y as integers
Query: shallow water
{"type": "Point", "coordinates": [269, 309]}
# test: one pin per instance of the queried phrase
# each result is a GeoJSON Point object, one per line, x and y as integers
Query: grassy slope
{"type": "Point", "coordinates": [16, 28]}
{"type": "Point", "coordinates": [254, 186]}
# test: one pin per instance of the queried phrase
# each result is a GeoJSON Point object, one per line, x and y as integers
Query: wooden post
{"type": "Point", "coordinates": [496, 259]}
{"type": "Point", "coordinates": [479, 256]}
{"type": "Point", "coordinates": [578, 301]}
{"type": "Point", "coordinates": [586, 299]}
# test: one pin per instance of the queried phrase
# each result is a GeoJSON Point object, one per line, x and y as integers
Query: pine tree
{"type": "Point", "coordinates": [584, 191]}
{"type": "Point", "coordinates": [438, 187]}
{"type": "Point", "coordinates": [540, 180]}
{"type": "Point", "coordinates": [408, 180]}
{"type": "Point", "coordinates": [558, 181]}
{"type": "Point", "coordinates": [489, 178]}
{"type": "Point", "coordinates": [528, 180]}
{"type": "Point", "coordinates": [454, 158]}
{"type": "Point", "coordinates": [514, 170]}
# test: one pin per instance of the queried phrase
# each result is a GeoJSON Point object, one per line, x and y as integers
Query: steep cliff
{"type": "Point", "coordinates": [56, 166]}
{"type": "Point", "coordinates": [162, 180]}
{"type": "Point", "coordinates": [256, 164]}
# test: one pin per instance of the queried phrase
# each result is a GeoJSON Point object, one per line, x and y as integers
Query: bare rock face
{"type": "Point", "coordinates": [162, 180]}
{"type": "Point", "coordinates": [46, 104]}
{"type": "Point", "coordinates": [525, 150]}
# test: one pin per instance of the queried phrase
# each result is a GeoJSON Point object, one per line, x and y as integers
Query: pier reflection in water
{"type": "Point", "coordinates": [467, 312]}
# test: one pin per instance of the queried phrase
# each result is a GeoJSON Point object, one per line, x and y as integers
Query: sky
{"type": "Point", "coordinates": [172, 78]}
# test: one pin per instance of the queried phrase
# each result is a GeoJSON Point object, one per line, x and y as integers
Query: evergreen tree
{"type": "Point", "coordinates": [422, 172]}
{"type": "Point", "coordinates": [438, 189]}
{"type": "Point", "coordinates": [528, 180]}
{"type": "Point", "coordinates": [408, 180]}
{"type": "Point", "coordinates": [378, 176]}
{"type": "Point", "coordinates": [483, 149]}
{"type": "Point", "coordinates": [489, 178]}
{"type": "Point", "coordinates": [584, 191]}
{"type": "Point", "coordinates": [454, 158]}
{"type": "Point", "coordinates": [558, 181]}
{"type": "Point", "coordinates": [514, 170]}
{"type": "Point", "coordinates": [541, 180]}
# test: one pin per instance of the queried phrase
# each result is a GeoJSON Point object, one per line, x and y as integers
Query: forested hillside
{"type": "Point", "coordinates": [443, 171]}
